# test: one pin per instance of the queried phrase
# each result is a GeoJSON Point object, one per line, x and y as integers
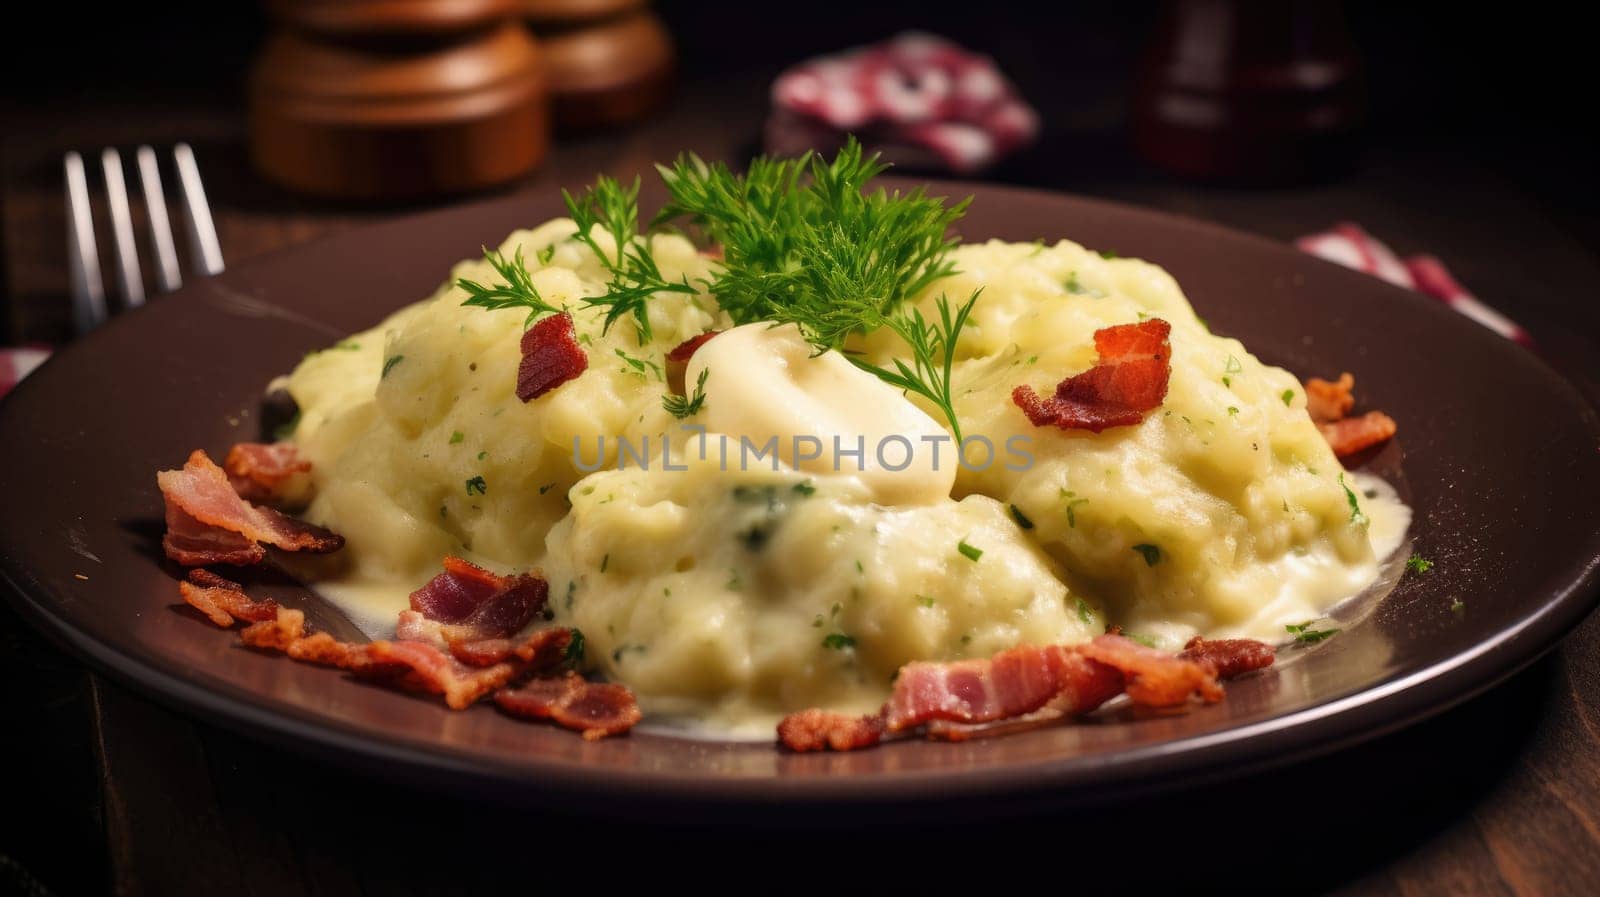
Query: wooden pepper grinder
{"type": "Point", "coordinates": [398, 99]}
{"type": "Point", "coordinates": [610, 62]}
{"type": "Point", "coordinates": [1259, 91]}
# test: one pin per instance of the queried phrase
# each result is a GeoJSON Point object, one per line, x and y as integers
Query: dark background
{"type": "Point", "coordinates": [1479, 147]}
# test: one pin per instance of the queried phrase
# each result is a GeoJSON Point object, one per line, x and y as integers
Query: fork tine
{"type": "Point", "coordinates": [129, 277]}
{"type": "Point", "coordinates": [202, 232]}
{"type": "Point", "coordinates": [88, 292]}
{"type": "Point", "coordinates": [155, 201]}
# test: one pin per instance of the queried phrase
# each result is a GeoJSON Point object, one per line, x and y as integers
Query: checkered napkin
{"type": "Point", "coordinates": [1349, 245]}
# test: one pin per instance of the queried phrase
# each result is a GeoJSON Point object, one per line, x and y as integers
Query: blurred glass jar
{"type": "Point", "coordinates": [1250, 91]}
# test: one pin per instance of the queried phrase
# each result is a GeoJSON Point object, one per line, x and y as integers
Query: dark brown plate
{"type": "Point", "coordinates": [1501, 457]}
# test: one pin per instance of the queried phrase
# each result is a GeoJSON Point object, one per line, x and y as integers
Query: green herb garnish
{"type": "Point", "coordinates": [477, 486]}
{"type": "Point", "coordinates": [1150, 553]}
{"type": "Point", "coordinates": [925, 601]}
{"type": "Point", "coordinates": [1288, 398]}
{"type": "Point", "coordinates": [1418, 564]}
{"type": "Point", "coordinates": [838, 641]}
{"type": "Point", "coordinates": [546, 254]}
{"type": "Point", "coordinates": [681, 407]}
{"type": "Point", "coordinates": [804, 487]}
{"type": "Point", "coordinates": [456, 437]}
{"type": "Point", "coordinates": [573, 656]}
{"type": "Point", "coordinates": [389, 363]}
{"type": "Point", "coordinates": [516, 289]}
{"type": "Point", "coordinates": [1304, 634]}
{"type": "Point", "coordinates": [1021, 518]}
{"type": "Point", "coordinates": [1078, 289]}
{"type": "Point", "coordinates": [1084, 614]}
{"type": "Point", "coordinates": [971, 553]}
{"type": "Point", "coordinates": [1072, 500]}
{"type": "Point", "coordinates": [1356, 516]}
{"type": "Point", "coordinates": [635, 278]}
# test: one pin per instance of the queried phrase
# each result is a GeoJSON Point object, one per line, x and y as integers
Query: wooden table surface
{"type": "Point", "coordinates": [1500, 795]}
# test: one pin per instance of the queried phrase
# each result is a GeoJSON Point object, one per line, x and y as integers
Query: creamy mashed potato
{"type": "Point", "coordinates": [734, 595]}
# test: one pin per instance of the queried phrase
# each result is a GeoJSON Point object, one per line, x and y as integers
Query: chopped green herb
{"type": "Point", "coordinates": [1078, 289]}
{"type": "Point", "coordinates": [389, 363]}
{"type": "Point", "coordinates": [573, 656]}
{"type": "Point", "coordinates": [1072, 500]}
{"type": "Point", "coordinates": [969, 552]}
{"type": "Point", "coordinates": [1304, 634]}
{"type": "Point", "coordinates": [456, 437]}
{"type": "Point", "coordinates": [1145, 640]}
{"type": "Point", "coordinates": [546, 254]}
{"type": "Point", "coordinates": [1232, 410]}
{"type": "Point", "coordinates": [1457, 606]}
{"type": "Point", "coordinates": [605, 562]}
{"type": "Point", "coordinates": [483, 455]}
{"type": "Point", "coordinates": [681, 407]}
{"type": "Point", "coordinates": [1108, 254]}
{"type": "Point", "coordinates": [477, 486]}
{"type": "Point", "coordinates": [925, 601]}
{"type": "Point", "coordinates": [1356, 517]}
{"type": "Point", "coordinates": [1288, 398]}
{"type": "Point", "coordinates": [838, 641]}
{"type": "Point", "coordinates": [1021, 518]}
{"type": "Point", "coordinates": [805, 488]}
{"type": "Point", "coordinates": [733, 584]}
{"type": "Point", "coordinates": [1150, 553]}
{"type": "Point", "coordinates": [546, 488]}
{"type": "Point", "coordinates": [859, 568]}
{"type": "Point", "coordinates": [1233, 366]}
{"type": "Point", "coordinates": [641, 366]}
{"type": "Point", "coordinates": [1418, 564]}
{"type": "Point", "coordinates": [1084, 613]}
{"type": "Point", "coordinates": [572, 589]}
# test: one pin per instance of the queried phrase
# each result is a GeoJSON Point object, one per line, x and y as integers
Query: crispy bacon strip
{"type": "Point", "coordinates": [815, 730]}
{"type": "Point", "coordinates": [1129, 380]}
{"type": "Point", "coordinates": [1153, 678]}
{"type": "Point", "coordinates": [421, 667]}
{"type": "Point", "coordinates": [208, 523]}
{"type": "Point", "coordinates": [222, 600]}
{"type": "Point", "coordinates": [1329, 402]}
{"type": "Point", "coordinates": [597, 709]}
{"type": "Point", "coordinates": [682, 352]}
{"type": "Point", "coordinates": [269, 474]}
{"type": "Point", "coordinates": [473, 603]}
{"type": "Point", "coordinates": [1229, 657]}
{"type": "Point", "coordinates": [1355, 434]}
{"type": "Point", "coordinates": [1027, 687]}
{"type": "Point", "coordinates": [550, 357]}
{"type": "Point", "coordinates": [1012, 683]}
{"type": "Point", "coordinates": [678, 360]}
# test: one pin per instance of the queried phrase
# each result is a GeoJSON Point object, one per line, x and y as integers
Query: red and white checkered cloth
{"type": "Point", "coordinates": [1349, 245]}
{"type": "Point", "coordinates": [919, 99]}
{"type": "Point", "coordinates": [19, 362]}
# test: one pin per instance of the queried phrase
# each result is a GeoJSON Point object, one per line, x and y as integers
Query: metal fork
{"type": "Point", "coordinates": [89, 307]}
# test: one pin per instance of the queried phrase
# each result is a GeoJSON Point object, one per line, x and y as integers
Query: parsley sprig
{"type": "Point", "coordinates": [635, 277]}
{"type": "Point", "coordinates": [681, 407]}
{"type": "Point", "coordinates": [822, 254]}
{"type": "Point", "coordinates": [516, 289]}
{"type": "Point", "coordinates": [805, 243]}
